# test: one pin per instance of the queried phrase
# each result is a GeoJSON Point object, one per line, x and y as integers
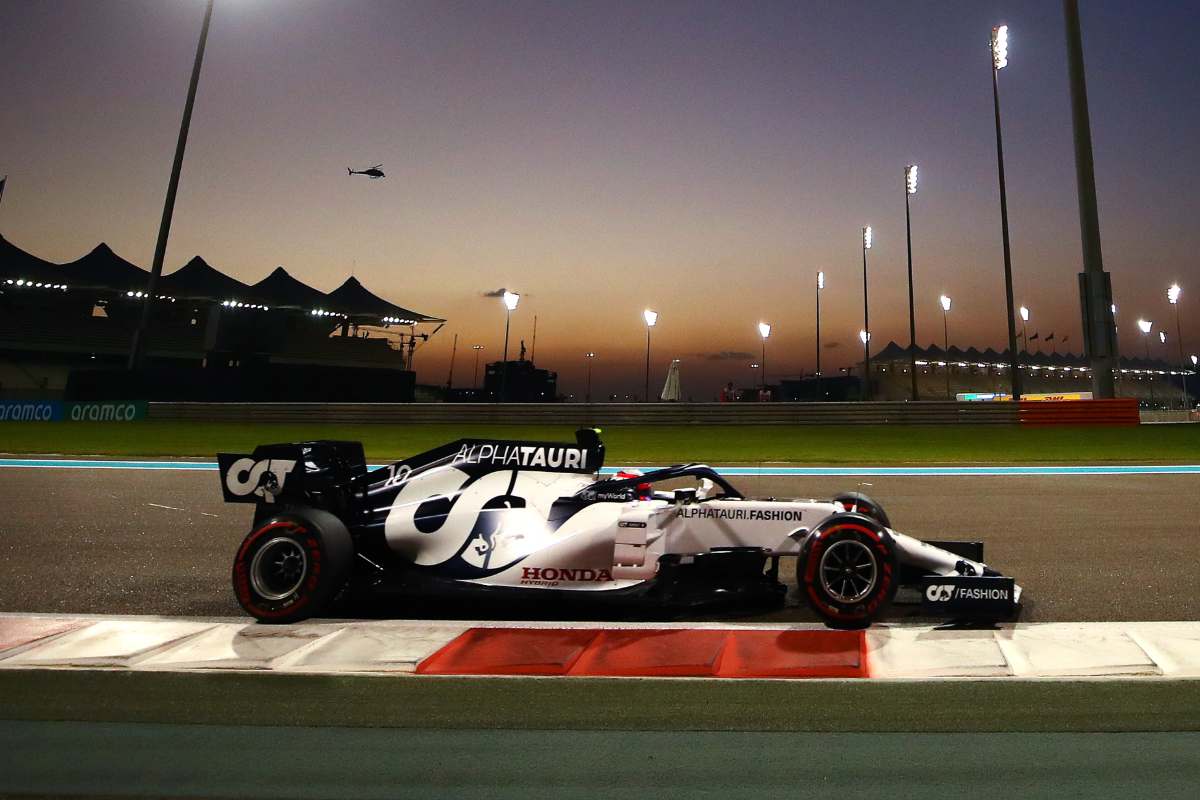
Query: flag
{"type": "Point", "coordinates": [1050, 336]}
{"type": "Point", "coordinates": [1065, 339]}
{"type": "Point", "coordinates": [1031, 338]}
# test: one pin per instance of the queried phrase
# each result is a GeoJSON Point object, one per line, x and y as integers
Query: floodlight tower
{"type": "Point", "coordinates": [137, 348]}
{"type": "Point", "coordinates": [475, 374]}
{"type": "Point", "coordinates": [945, 301]}
{"type": "Point", "coordinates": [867, 240]}
{"type": "Point", "coordinates": [590, 358]}
{"type": "Point", "coordinates": [910, 188]}
{"type": "Point", "coordinates": [820, 288]}
{"type": "Point", "coordinates": [1095, 287]}
{"type": "Point", "coordinates": [510, 304]}
{"type": "Point", "coordinates": [764, 330]}
{"type": "Point", "coordinates": [999, 53]}
{"type": "Point", "coordinates": [1173, 294]}
{"type": "Point", "coordinates": [651, 318]}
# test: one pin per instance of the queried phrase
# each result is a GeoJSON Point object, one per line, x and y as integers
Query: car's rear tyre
{"type": "Point", "coordinates": [859, 503]}
{"type": "Point", "coordinates": [848, 571]}
{"type": "Point", "coordinates": [292, 565]}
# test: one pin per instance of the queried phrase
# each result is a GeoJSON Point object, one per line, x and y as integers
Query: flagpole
{"type": "Point", "coordinates": [137, 349]}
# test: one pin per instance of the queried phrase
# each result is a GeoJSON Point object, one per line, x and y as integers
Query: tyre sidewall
{"type": "Point", "coordinates": [328, 550]}
{"type": "Point", "coordinates": [861, 528]}
{"type": "Point", "coordinates": [862, 504]}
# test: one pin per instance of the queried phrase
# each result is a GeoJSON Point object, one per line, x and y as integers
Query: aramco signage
{"type": "Point", "coordinates": [58, 411]}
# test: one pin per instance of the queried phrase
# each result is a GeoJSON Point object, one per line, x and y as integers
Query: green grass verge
{"type": "Point", "coordinates": [589, 704]}
{"type": "Point", "coordinates": [723, 444]}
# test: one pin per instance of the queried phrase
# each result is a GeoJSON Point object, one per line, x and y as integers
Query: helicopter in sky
{"type": "Point", "coordinates": [372, 173]}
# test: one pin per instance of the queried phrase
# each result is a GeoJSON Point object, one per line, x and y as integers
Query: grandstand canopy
{"type": "Point", "coordinates": [355, 300]}
{"type": "Point", "coordinates": [16, 264]}
{"type": "Point", "coordinates": [104, 269]}
{"type": "Point", "coordinates": [196, 280]}
{"type": "Point", "coordinates": [281, 290]}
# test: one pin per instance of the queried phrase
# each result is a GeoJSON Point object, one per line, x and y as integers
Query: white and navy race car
{"type": "Point", "coordinates": [506, 518]}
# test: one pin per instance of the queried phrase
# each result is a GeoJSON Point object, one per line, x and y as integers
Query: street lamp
{"type": "Point", "coordinates": [590, 357]}
{"type": "Point", "coordinates": [999, 54]}
{"type": "Point", "coordinates": [651, 318]}
{"type": "Point", "coordinates": [865, 338]}
{"type": "Point", "coordinates": [945, 301]}
{"type": "Point", "coordinates": [138, 346]}
{"type": "Point", "coordinates": [1024, 333]}
{"type": "Point", "coordinates": [910, 188]}
{"type": "Point", "coordinates": [867, 240]}
{"type": "Point", "coordinates": [1173, 294]}
{"type": "Point", "coordinates": [820, 288]}
{"type": "Point", "coordinates": [764, 330]}
{"type": "Point", "coordinates": [510, 304]}
{"type": "Point", "coordinates": [475, 374]}
{"type": "Point", "coordinates": [1145, 326]}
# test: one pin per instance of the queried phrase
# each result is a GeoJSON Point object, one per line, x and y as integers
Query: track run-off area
{"type": "Point", "coordinates": [152, 536]}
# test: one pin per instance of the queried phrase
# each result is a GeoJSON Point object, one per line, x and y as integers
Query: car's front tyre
{"type": "Point", "coordinates": [292, 565]}
{"type": "Point", "coordinates": [848, 571]}
{"type": "Point", "coordinates": [859, 503]}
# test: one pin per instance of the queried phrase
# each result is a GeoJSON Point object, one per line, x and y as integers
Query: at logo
{"type": "Point", "coordinates": [262, 478]}
{"type": "Point", "coordinates": [939, 593]}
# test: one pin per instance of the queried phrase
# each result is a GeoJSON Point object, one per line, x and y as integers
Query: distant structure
{"type": "Point", "coordinates": [1152, 382]}
{"type": "Point", "coordinates": [66, 329]}
{"type": "Point", "coordinates": [525, 383]}
{"type": "Point", "coordinates": [670, 392]}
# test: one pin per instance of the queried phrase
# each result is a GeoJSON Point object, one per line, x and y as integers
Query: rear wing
{"type": "Point", "coordinates": [291, 472]}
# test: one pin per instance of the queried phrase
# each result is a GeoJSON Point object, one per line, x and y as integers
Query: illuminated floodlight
{"type": "Point", "coordinates": [1114, 309]}
{"type": "Point", "coordinates": [1000, 46]}
{"type": "Point", "coordinates": [589, 355]}
{"type": "Point", "coordinates": [945, 301]}
{"type": "Point", "coordinates": [1024, 314]}
{"type": "Point", "coordinates": [1162, 337]}
{"type": "Point", "coordinates": [1145, 325]}
{"type": "Point", "coordinates": [764, 329]}
{"type": "Point", "coordinates": [820, 280]}
{"type": "Point", "coordinates": [910, 178]}
{"type": "Point", "coordinates": [864, 337]}
{"type": "Point", "coordinates": [1194, 359]}
{"type": "Point", "coordinates": [651, 317]}
{"type": "Point", "coordinates": [1173, 293]}
{"type": "Point", "coordinates": [868, 237]}
{"type": "Point", "coordinates": [511, 299]}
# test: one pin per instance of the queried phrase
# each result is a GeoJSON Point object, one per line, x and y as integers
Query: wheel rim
{"type": "Point", "coordinates": [848, 571]}
{"type": "Point", "coordinates": [278, 568]}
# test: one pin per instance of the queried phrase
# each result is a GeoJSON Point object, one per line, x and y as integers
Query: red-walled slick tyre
{"type": "Point", "coordinates": [848, 571]}
{"type": "Point", "coordinates": [292, 565]}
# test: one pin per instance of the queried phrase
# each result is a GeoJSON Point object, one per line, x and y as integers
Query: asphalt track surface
{"type": "Point", "coordinates": [63, 758]}
{"type": "Point", "coordinates": [1084, 547]}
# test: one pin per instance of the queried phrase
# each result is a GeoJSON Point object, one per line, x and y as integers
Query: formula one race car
{"type": "Point", "coordinates": [487, 517]}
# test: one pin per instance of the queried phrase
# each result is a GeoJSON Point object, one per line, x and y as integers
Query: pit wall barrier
{"type": "Point", "coordinates": [1103, 412]}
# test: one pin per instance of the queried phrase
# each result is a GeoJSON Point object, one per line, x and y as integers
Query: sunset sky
{"type": "Point", "coordinates": [704, 159]}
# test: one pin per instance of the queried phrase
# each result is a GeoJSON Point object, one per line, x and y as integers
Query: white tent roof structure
{"type": "Point", "coordinates": [670, 392]}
